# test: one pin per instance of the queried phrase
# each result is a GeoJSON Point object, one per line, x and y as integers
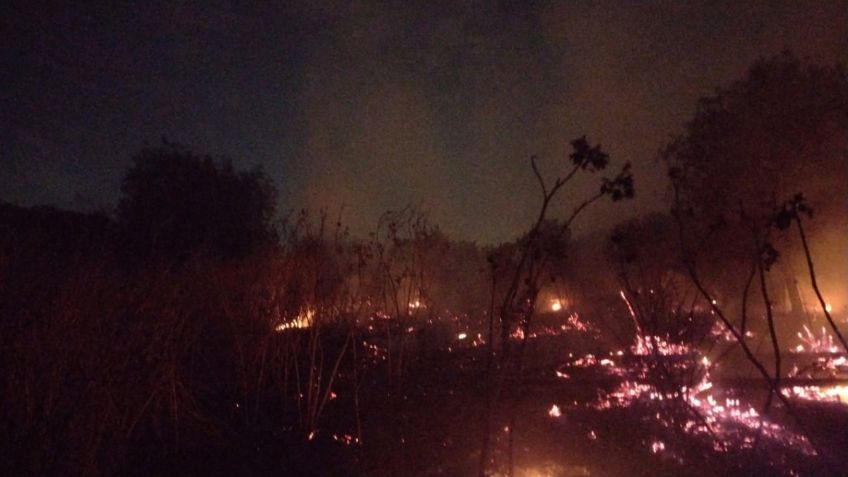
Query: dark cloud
{"type": "Point", "coordinates": [373, 106]}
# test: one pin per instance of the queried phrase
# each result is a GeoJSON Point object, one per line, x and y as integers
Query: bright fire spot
{"type": "Point", "coordinates": [836, 393]}
{"type": "Point", "coordinates": [828, 308]}
{"type": "Point", "coordinates": [346, 439]}
{"type": "Point", "coordinates": [556, 305]}
{"type": "Point", "coordinates": [554, 411]}
{"type": "Point", "coordinates": [462, 336]}
{"type": "Point", "coordinates": [657, 446]}
{"type": "Point", "coordinates": [415, 304]}
{"type": "Point", "coordinates": [302, 320]}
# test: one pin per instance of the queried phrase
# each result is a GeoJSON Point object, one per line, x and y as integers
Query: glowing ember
{"type": "Point", "coordinates": [836, 393]}
{"type": "Point", "coordinates": [812, 343]}
{"type": "Point", "coordinates": [726, 417]}
{"type": "Point", "coordinates": [556, 305]}
{"type": "Point", "coordinates": [346, 439]}
{"type": "Point", "coordinates": [723, 419]}
{"type": "Point", "coordinates": [461, 336]}
{"type": "Point", "coordinates": [554, 411]}
{"type": "Point", "coordinates": [721, 332]}
{"type": "Point", "coordinates": [644, 346]}
{"type": "Point", "coordinates": [573, 323]}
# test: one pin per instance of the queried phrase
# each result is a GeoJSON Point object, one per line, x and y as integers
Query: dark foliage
{"type": "Point", "coordinates": [176, 203]}
{"type": "Point", "coordinates": [588, 157]}
{"type": "Point", "coordinates": [768, 135]}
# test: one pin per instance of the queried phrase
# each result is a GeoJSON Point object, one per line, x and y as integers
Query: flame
{"type": "Point", "coordinates": [303, 320]}
{"type": "Point", "coordinates": [554, 411]}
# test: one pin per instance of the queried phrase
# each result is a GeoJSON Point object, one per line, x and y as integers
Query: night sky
{"type": "Point", "coordinates": [374, 105]}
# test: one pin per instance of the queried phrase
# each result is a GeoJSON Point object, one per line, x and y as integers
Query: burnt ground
{"type": "Point", "coordinates": [431, 424]}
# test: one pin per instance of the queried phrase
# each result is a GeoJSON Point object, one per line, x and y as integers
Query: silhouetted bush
{"type": "Point", "coordinates": [176, 203]}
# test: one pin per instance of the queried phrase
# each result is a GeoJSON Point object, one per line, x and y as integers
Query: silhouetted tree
{"type": "Point", "coordinates": [176, 203]}
{"type": "Point", "coordinates": [781, 129]}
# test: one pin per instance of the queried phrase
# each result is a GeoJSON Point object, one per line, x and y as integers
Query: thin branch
{"type": "Point", "coordinates": [539, 176]}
